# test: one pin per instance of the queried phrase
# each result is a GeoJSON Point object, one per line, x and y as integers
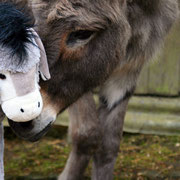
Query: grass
{"type": "Point", "coordinates": [140, 157]}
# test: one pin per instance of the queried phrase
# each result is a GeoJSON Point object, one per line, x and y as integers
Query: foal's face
{"type": "Point", "coordinates": [20, 97]}
{"type": "Point", "coordinates": [84, 41]}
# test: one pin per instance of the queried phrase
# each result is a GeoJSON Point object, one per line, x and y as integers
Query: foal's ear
{"type": "Point", "coordinates": [43, 66]}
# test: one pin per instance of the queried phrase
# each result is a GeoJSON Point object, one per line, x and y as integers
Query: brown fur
{"type": "Point", "coordinates": [69, 53]}
{"type": "Point", "coordinates": [127, 33]}
{"type": "Point", "coordinates": [123, 34]}
{"type": "Point", "coordinates": [78, 78]}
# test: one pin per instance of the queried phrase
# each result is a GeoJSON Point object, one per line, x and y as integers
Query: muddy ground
{"type": "Point", "coordinates": [140, 157]}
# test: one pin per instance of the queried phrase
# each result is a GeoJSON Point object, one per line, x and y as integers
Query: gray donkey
{"type": "Point", "coordinates": [94, 43]}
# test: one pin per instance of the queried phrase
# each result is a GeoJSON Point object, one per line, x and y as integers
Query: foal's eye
{"type": "Point", "coordinates": [80, 35]}
{"type": "Point", "coordinates": [2, 76]}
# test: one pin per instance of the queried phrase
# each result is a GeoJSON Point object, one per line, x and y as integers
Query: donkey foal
{"type": "Point", "coordinates": [22, 57]}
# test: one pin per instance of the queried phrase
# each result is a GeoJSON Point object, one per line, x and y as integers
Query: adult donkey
{"type": "Point", "coordinates": [92, 43]}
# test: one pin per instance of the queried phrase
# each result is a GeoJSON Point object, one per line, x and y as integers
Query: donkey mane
{"type": "Point", "coordinates": [15, 31]}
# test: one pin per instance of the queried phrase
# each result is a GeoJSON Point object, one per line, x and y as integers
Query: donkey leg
{"type": "Point", "coordinates": [85, 137]}
{"type": "Point", "coordinates": [112, 124]}
{"type": "Point", "coordinates": [114, 98]}
{"type": "Point", "coordinates": [2, 116]}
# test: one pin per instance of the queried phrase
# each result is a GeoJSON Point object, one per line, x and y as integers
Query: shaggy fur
{"type": "Point", "coordinates": [15, 31]}
{"type": "Point", "coordinates": [15, 64]}
{"type": "Point", "coordinates": [19, 51]}
{"type": "Point", "coordinates": [125, 33]}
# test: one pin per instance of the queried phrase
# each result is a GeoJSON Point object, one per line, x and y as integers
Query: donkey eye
{"type": "Point", "coordinates": [79, 35]}
{"type": "Point", "coordinates": [2, 76]}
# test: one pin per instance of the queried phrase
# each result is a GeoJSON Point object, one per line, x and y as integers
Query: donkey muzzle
{"type": "Point", "coordinates": [33, 130]}
{"type": "Point", "coordinates": [23, 108]}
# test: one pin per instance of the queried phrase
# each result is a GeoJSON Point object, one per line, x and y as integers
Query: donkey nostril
{"type": "Point", "coordinates": [39, 104]}
{"type": "Point", "coordinates": [22, 110]}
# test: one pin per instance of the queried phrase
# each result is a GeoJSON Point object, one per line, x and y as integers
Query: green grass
{"type": "Point", "coordinates": [140, 157]}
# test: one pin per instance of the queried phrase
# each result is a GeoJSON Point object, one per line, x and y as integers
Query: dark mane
{"type": "Point", "coordinates": [14, 30]}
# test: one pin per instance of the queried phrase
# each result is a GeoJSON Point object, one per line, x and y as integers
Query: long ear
{"type": "Point", "coordinates": [43, 67]}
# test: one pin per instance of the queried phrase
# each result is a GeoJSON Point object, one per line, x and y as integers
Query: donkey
{"type": "Point", "coordinates": [89, 44]}
{"type": "Point", "coordinates": [22, 58]}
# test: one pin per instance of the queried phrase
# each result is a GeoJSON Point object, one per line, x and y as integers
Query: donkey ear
{"type": "Point", "coordinates": [43, 66]}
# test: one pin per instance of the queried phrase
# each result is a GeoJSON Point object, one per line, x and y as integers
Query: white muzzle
{"type": "Point", "coordinates": [23, 108]}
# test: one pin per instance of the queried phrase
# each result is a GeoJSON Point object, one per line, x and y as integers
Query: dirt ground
{"type": "Point", "coordinates": [141, 157]}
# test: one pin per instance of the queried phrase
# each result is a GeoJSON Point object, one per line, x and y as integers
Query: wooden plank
{"type": "Point", "coordinates": [150, 115]}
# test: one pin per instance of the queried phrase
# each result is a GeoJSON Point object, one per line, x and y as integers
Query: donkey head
{"type": "Point", "coordinates": [20, 54]}
{"type": "Point", "coordinates": [84, 41]}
